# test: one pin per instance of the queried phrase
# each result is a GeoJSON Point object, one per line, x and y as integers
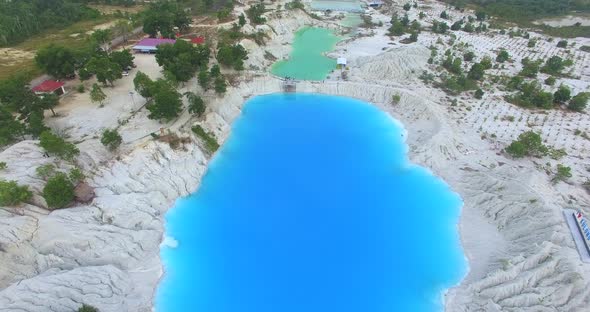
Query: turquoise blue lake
{"type": "Point", "coordinates": [313, 206]}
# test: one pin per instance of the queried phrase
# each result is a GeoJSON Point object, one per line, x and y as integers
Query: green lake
{"type": "Point", "coordinates": [307, 60]}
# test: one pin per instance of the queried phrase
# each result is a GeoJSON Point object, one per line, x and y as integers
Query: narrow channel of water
{"type": "Point", "coordinates": [312, 205]}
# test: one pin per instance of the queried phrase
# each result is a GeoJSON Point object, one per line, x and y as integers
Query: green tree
{"type": "Point", "coordinates": [143, 85]}
{"type": "Point", "coordinates": [413, 36]}
{"type": "Point", "coordinates": [444, 15]}
{"type": "Point", "coordinates": [232, 55]}
{"type": "Point", "coordinates": [49, 101]}
{"type": "Point", "coordinates": [203, 78]}
{"type": "Point", "coordinates": [476, 72]}
{"type": "Point", "coordinates": [255, 12]}
{"type": "Point", "coordinates": [102, 37]}
{"type": "Point", "coordinates": [562, 95]}
{"type": "Point", "coordinates": [528, 144]}
{"type": "Point", "coordinates": [554, 65]}
{"type": "Point", "coordinates": [422, 15]}
{"type": "Point", "coordinates": [579, 101]}
{"type": "Point", "coordinates": [166, 103]}
{"type": "Point", "coordinates": [469, 28]}
{"type": "Point", "coordinates": [12, 194]}
{"type": "Point", "coordinates": [123, 58]}
{"type": "Point", "coordinates": [196, 105]}
{"type": "Point", "coordinates": [35, 124]}
{"type": "Point", "coordinates": [106, 70]}
{"type": "Point", "coordinates": [241, 20]}
{"type": "Point", "coordinates": [407, 6]}
{"type": "Point", "coordinates": [2, 165]}
{"type": "Point", "coordinates": [57, 146]}
{"type": "Point", "coordinates": [562, 44]}
{"type": "Point", "coordinates": [10, 128]}
{"type": "Point", "coordinates": [97, 95]}
{"type": "Point", "coordinates": [58, 191]}
{"type": "Point", "coordinates": [111, 139]}
{"type": "Point", "coordinates": [502, 56]}
{"type": "Point", "coordinates": [57, 61]}
{"type": "Point", "coordinates": [123, 28]}
{"type": "Point", "coordinates": [220, 85]}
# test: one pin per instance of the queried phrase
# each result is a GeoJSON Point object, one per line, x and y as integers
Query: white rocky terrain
{"type": "Point", "coordinates": [106, 253]}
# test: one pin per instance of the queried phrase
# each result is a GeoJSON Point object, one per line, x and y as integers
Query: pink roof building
{"type": "Point", "coordinates": [148, 45]}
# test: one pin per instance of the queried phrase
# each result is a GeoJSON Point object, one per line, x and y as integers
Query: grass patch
{"type": "Point", "coordinates": [210, 143]}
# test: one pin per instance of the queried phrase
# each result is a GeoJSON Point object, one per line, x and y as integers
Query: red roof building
{"type": "Point", "coordinates": [50, 86]}
{"type": "Point", "coordinates": [198, 40]}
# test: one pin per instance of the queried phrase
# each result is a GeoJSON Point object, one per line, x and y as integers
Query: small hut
{"type": "Point", "coordinates": [289, 85]}
{"type": "Point", "coordinates": [49, 87]}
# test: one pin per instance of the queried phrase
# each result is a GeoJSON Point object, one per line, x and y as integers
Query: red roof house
{"type": "Point", "coordinates": [198, 40]}
{"type": "Point", "coordinates": [50, 86]}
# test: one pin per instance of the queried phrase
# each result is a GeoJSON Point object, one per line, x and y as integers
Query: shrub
{"type": "Point", "coordinates": [579, 101]}
{"type": "Point", "coordinates": [76, 175]}
{"type": "Point", "coordinates": [210, 143]}
{"type": "Point", "coordinates": [550, 81]}
{"type": "Point", "coordinates": [563, 173]}
{"type": "Point", "coordinates": [486, 62]}
{"type": "Point", "coordinates": [528, 144]}
{"type": "Point", "coordinates": [57, 146]}
{"type": "Point", "coordinates": [87, 308]}
{"type": "Point", "coordinates": [81, 88]}
{"type": "Point", "coordinates": [468, 56]}
{"type": "Point", "coordinates": [12, 194]}
{"type": "Point", "coordinates": [562, 95]}
{"type": "Point", "coordinates": [2, 165]}
{"type": "Point", "coordinates": [45, 171]}
{"type": "Point", "coordinates": [111, 139]}
{"type": "Point", "coordinates": [59, 191]}
{"type": "Point", "coordinates": [530, 68]}
{"type": "Point", "coordinates": [503, 56]}
{"type": "Point", "coordinates": [479, 94]}
{"type": "Point", "coordinates": [395, 98]}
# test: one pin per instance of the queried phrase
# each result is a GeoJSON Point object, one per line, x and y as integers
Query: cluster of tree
{"type": "Point", "coordinates": [163, 16]}
{"type": "Point", "coordinates": [87, 308]}
{"type": "Point", "coordinates": [62, 62]}
{"type": "Point", "coordinates": [255, 13]}
{"type": "Point", "coordinates": [409, 6]}
{"type": "Point", "coordinates": [21, 111]}
{"type": "Point", "coordinates": [21, 19]}
{"type": "Point", "coordinates": [182, 59]}
{"type": "Point", "coordinates": [57, 146]}
{"type": "Point", "coordinates": [529, 94]}
{"type": "Point", "coordinates": [403, 25]}
{"type": "Point", "coordinates": [526, 9]}
{"type": "Point", "coordinates": [214, 76]}
{"type": "Point", "coordinates": [555, 65]}
{"type": "Point", "coordinates": [458, 81]}
{"type": "Point", "coordinates": [528, 144]}
{"type": "Point", "coordinates": [164, 102]}
{"type": "Point", "coordinates": [232, 55]}
{"type": "Point", "coordinates": [295, 4]}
